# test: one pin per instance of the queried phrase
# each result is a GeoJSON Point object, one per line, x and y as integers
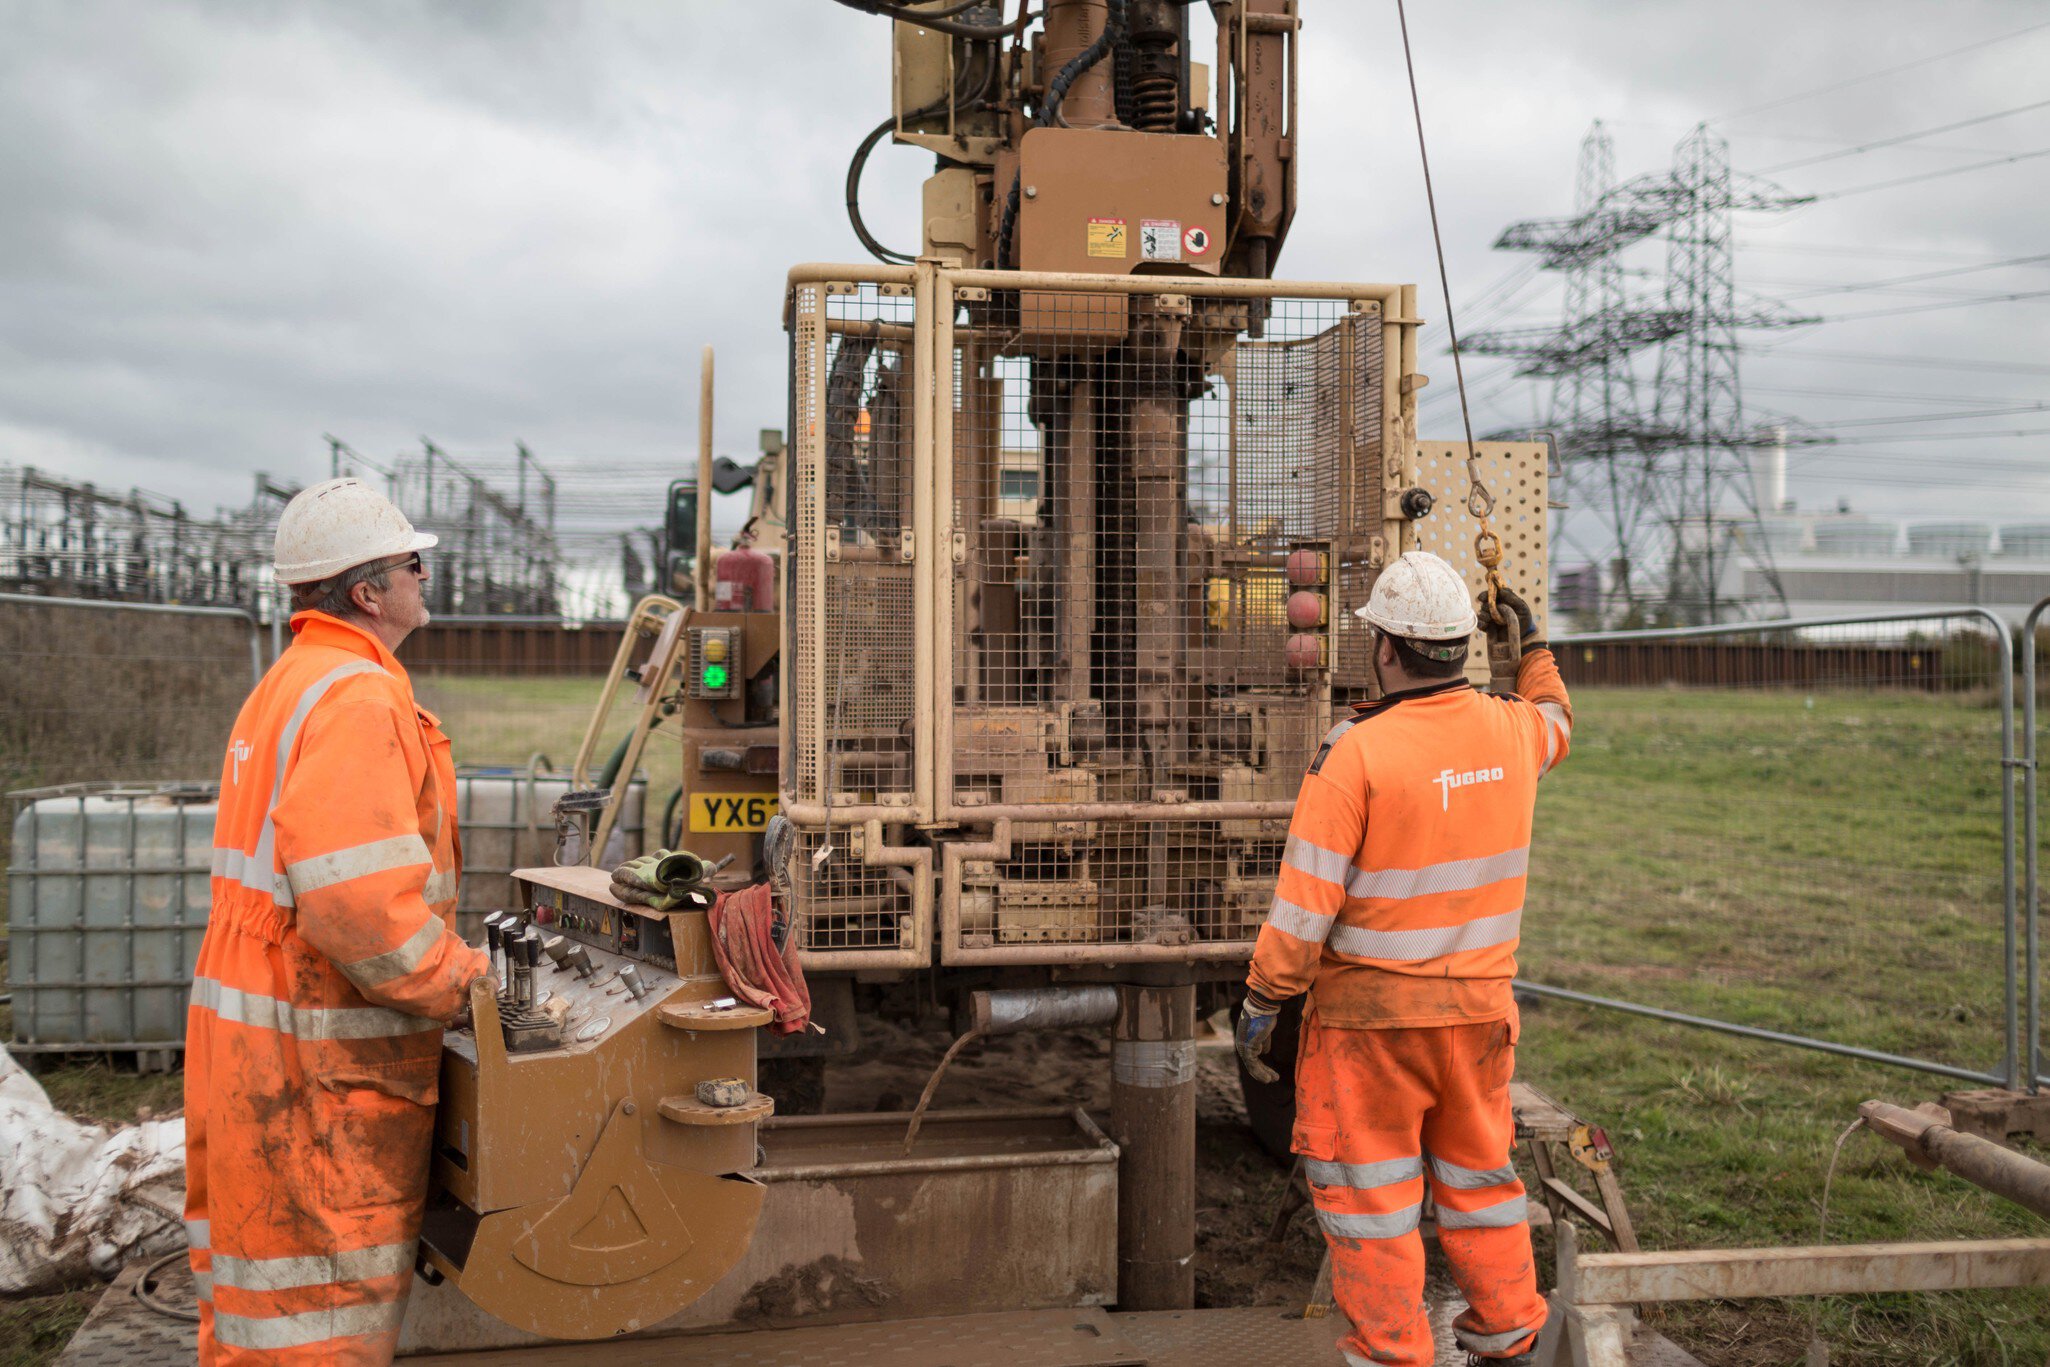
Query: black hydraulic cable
{"type": "Point", "coordinates": [939, 24]}
{"type": "Point", "coordinates": [854, 170]}
{"type": "Point", "coordinates": [859, 163]}
{"type": "Point", "coordinates": [1057, 88]}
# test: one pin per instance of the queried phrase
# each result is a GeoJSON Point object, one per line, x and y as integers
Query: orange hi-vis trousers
{"type": "Point", "coordinates": [1378, 1110]}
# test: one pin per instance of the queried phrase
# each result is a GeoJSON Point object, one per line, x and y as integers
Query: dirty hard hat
{"type": "Point", "coordinates": [337, 525]}
{"type": "Point", "coordinates": [1422, 598]}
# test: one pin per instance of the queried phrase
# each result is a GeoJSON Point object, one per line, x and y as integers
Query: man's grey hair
{"type": "Point", "coordinates": [332, 595]}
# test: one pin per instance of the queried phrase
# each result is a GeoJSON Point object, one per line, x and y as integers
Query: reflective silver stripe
{"type": "Point", "coordinates": [1501, 1215]}
{"type": "Point", "coordinates": [237, 867]}
{"type": "Point", "coordinates": [396, 963]}
{"type": "Point", "coordinates": [1153, 1063]}
{"type": "Point", "coordinates": [1457, 875]}
{"type": "Point", "coordinates": [1300, 922]}
{"type": "Point", "coordinates": [358, 861]}
{"type": "Point", "coordinates": [442, 883]}
{"type": "Point", "coordinates": [197, 1232]}
{"type": "Point", "coordinates": [1316, 861]}
{"type": "Point", "coordinates": [1346, 1226]}
{"type": "Point", "coordinates": [283, 1274]}
{"type": "Point", "coordinates": [1410, 946]}
{"type": "Point", "coordinates": [331, 1022]}
{"type": "Point", "coordinates": [1331, 738]}
{"type": "Point", "coordinates": [1558, 731]}
{"type": "Point", "coordinates": [1494, 1343]}
{"type": "Point", "coordinates": [1361, 1176]}
{"type": "Point", "coordinates": [1353, 1359]}
{"type": "Point", "coordinates": [202, 1286]}
{"type": "Point", "coordinates": [267, 841]}
{"type": "Point", "coordinates": [1470, 1179]}
{"type": "Point", "coordinates": [311, 1326]}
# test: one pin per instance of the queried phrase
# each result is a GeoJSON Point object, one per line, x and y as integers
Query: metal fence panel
{"type": "Point", "coordinates": [1826, 861]}
{"type": "Point", "coordinates": [2029, 644]}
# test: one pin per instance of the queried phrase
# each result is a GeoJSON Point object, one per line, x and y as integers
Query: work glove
{"type": "Point", "coordinates": [1518, 622]}
{"type": "Point", "coordinates": [1256, 1036]}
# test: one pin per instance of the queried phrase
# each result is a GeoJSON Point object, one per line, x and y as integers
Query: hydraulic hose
{"type": "Point", "coordinates": [940, 22]}
{"type": "Point", "coordinates": [859, 162]}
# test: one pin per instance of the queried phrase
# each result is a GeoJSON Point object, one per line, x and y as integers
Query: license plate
{"type": "Point", "coordinates": [711, 813]}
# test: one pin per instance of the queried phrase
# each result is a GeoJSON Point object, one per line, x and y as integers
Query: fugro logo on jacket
{"type": "Point", "coordinates": [1448, 779]}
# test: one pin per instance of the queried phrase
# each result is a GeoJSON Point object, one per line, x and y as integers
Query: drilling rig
{"type": "Point", "coordinates": [1053, 601]}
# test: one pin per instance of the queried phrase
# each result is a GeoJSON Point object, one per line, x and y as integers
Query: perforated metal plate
{"type": "Point", "coordinates": [1515, 473]}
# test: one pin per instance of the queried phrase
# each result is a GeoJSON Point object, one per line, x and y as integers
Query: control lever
{"type": "Point", "coordinates": [494, 939]}
{"type": "Point", "coordinates": [523, 950]}
{"type": "Point", "coordinates": [557, 949]}
{"type": "Point", "coordinates": [580, 959]}
{"type": "Point", "coordinates": [630, 978]}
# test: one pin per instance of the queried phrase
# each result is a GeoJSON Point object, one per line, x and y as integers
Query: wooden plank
{"type": "Point", "coordinates": [1586, 1209]}
{"type": "Point", "coordinates": [1844, 1269]}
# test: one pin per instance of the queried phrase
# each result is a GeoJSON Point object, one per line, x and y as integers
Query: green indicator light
{"type": "Point", "coordinates": [715, 676]}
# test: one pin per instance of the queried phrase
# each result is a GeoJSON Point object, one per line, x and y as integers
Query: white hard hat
{"type": "Point", "coordinates": [1423, 598]}
{"type": "Point", "coordinates": [337, 525]}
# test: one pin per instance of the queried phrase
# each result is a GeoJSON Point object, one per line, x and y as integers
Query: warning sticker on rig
{"type": "Point", "coordinates": [1107, 237]}
{"type": "Point", "coordinates": [1160, 239]}
{"type": "Point", "coordinates": [712, 812]}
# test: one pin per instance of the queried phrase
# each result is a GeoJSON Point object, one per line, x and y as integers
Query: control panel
{"type": "Point", "coordinates": [604, 1087]}
{"type": "Point", "coordinates": [714, 669]}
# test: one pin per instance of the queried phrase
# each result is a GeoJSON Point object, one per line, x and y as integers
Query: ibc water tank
{"type": "Point", "coordinates": [107, 897]}
{"type": "Point", "coordinates": [109, 890]}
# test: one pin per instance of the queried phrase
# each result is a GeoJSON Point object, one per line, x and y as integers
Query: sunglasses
{"type": "Point", "coordinates": [413, 563]}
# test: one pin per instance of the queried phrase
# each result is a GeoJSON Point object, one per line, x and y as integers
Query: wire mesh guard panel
{"type": "Point", "coordinates": [845, 904]}
{"type": "Point", "coordinates": [853, 625]}
{"type": "Point", "coordinates": [1809, 841]}
{"type": "Point", "coordinates": [1131, 478]}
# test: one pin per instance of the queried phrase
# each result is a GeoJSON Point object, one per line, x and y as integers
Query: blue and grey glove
{"type": "Point", "coordinates": [1256, 1036]}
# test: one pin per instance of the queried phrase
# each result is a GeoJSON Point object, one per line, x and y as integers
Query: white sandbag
{"type": "Point", "coordinates": [71, 1198]}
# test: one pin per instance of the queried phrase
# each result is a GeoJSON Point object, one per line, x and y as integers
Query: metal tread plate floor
{"type": "Point", "coordinates": [1259, 1337]}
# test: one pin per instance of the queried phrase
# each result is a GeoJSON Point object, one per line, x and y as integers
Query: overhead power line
{"type": "Point", "coordinates": [1932, 175]}
{"type": "Point", "coordinates": [1942, 417]}
{"type": "Point", "coordinates": [1900, 138]}
{"type": "Point", "coordinates": [1925, 275]}
{"type": "Point", "coordinates": [1916, 362]}
{"type": "Point", "coordinates": [1945, 304]}
{"type": "Point", "coordinates": [1752, 244]}
{"type": "Point", "coordinates": [1835, 86]}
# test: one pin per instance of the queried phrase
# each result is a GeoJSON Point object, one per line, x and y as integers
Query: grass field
{"type": "Point", "coordinates": [1829, 866]}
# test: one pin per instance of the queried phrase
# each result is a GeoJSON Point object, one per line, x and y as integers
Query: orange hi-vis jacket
{"type": "Point", "coordinates": [1400, 898]}
{"type": "Point", "coordinates": [313, 1041]}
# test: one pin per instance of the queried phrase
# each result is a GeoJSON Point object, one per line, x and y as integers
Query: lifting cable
{"type": "Point", "coordinates": [1487, 547]}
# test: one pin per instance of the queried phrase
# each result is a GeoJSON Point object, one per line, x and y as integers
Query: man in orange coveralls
{"type": "Point", "coordinates": [313, 1042]}
{"type": "Point", "coordinates": [1397, 910]}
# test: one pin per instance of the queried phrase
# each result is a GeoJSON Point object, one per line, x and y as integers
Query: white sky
{"type": "Point", "coordinates": [228, 228]}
